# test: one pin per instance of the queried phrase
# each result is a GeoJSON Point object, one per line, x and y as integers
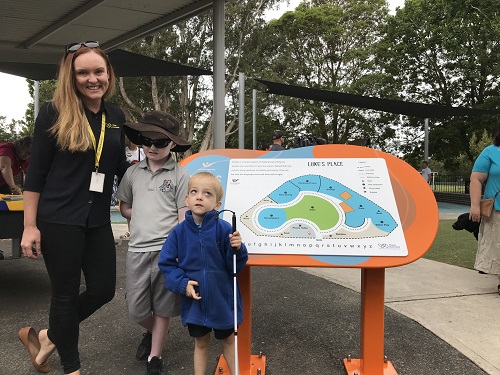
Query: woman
{"type": "Point", "coordinates": [78, 146]}
{"type": "Point", "coordinates": [487, 170]}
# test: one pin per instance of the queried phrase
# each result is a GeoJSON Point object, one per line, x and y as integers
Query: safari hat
{"type": "Point", "coordinates": [159, 122]}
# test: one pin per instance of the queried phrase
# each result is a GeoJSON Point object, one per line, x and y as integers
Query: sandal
{"type": "Point", "coordinates": [125, 236]}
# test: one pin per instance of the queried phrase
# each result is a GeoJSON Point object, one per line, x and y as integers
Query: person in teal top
{"type": "Point", "coordinates": [486, 171]}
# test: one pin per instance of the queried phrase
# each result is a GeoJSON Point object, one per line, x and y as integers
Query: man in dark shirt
{"type": "Point", "coordinates": [277, 141]}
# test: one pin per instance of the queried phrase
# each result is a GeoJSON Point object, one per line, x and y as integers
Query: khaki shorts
{"type": "Point", "coordinates": [146, 291]}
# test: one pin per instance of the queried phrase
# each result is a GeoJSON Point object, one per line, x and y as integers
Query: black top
{"type": "Point", "coordinates": [276, 147]}
{"type": "Point", "coordinates": [63, 178]}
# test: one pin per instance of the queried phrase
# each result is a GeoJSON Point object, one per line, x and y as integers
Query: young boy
{"type": "Point", "coordinates": [197, 262]}
{"type": "Point", "coordinates": [152, 196]}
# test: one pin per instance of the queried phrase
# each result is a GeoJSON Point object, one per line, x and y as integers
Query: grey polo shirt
{"type": "Point", "coordinates": [155, 199]}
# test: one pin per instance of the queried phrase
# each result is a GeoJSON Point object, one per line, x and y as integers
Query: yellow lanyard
{"type": "Point", "coordinates": [98, 150]}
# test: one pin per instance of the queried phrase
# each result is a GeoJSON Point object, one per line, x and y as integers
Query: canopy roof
{"type": "Point", "coordinates": [37, 31]}
{"type": "Point", "coordinates": [386, 105]}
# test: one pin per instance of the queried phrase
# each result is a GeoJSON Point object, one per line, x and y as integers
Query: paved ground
{"type": "Point", "coordinates": [439, 319]}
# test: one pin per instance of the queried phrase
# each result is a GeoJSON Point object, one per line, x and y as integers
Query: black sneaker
{"type": "Point", "coordinates": [154, 367]}
{"type": "Point", "coordinates": [144, 347]}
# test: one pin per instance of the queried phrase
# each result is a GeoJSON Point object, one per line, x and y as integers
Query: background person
{"type": "Point", "coordinates": [197, 262]}
{"type": "Point", "coordinates": [278, 140]}
{"type": "Point", "coordinates": [152, 196]}
{"type": "Point", "coordinates": [426, 172]}
{"type": "Point", "coordinates": [486, 170]}
{"type": "Point", "coordinates": [78, 147]}
{"type": "Point", "coordinates": [14, 159]}
{"type": "Point", "coordinates": [134, 154]}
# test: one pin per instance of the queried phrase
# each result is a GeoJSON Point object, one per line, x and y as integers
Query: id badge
{"type": "Point", "coordinates": [97, 182]}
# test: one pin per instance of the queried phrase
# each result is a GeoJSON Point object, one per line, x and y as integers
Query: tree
{"type": "Point", "coordinates": [329, 45]}
{"type": "Point", "coordinates": [9, 132]}
{"type": "Point", "coordinates": [447, 52]}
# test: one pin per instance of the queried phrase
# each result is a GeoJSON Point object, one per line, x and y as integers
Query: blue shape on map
{"type": "Point", "coordinates": [272, 217]}
{"type": "Point", "coordinates": [285, 193]}
{"type": "Point", "coordinates": [357, 208]}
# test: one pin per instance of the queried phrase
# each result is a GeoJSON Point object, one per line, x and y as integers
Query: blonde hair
{"type": "Point", "coordinates": [219, 190]}
{"type": "Point", "coordinates": [70, 127]}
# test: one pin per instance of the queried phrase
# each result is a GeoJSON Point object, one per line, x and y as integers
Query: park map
{"type": "Point", "coordinates": [315, 207]}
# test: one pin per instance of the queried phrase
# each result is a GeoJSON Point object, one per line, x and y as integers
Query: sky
{"type": "Point", "coordinates": [14, 96]}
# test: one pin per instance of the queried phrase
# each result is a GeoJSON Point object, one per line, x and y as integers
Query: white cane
{"type": "Point", "coordinates": [235, 298]}
{"type": "Point", "coordinates": [235, 295]}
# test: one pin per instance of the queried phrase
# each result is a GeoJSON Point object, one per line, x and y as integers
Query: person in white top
{"type": "Point", "coordinates": [426, 172]}
{"type": "Point", "coordinates": [133, 153]}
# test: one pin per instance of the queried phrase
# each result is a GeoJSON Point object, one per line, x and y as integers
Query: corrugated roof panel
{"type": "Point", "coordinates": [36, 31]}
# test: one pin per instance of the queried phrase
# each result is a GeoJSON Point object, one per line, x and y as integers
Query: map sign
{"type": "Point", "coordinates": [315, 206]}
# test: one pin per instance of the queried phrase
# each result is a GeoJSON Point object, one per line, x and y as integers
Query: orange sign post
{"type": "Point", "coordinates": [418, 218]}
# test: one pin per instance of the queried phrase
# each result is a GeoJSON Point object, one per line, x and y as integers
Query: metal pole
{"type": "Point", "coordinates": [254, 118]}
{"type": "Point", "coordinates": [219, 76]}
{"type": "Point", "coordinates": [426, 140]}
{"type": "Point", "coordinates": [241, 129]}
{"type": "Point", "coordinates": [37, 99]}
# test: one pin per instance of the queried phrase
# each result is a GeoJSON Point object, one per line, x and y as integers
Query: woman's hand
{"type": "Point", "coordinates": [475, 213]}
{"type": "Point", "coordinates": [30, 243]}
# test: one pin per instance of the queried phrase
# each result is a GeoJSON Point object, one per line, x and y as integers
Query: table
{"type": "Point", "coordinates": [12, 221]}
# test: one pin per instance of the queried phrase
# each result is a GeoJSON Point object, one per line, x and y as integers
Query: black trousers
{"type": "Point", "coordinates": [68, 250]}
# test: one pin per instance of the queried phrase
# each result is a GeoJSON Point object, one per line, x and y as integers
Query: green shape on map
{"type": "Point", "coordinates": [315, 209]}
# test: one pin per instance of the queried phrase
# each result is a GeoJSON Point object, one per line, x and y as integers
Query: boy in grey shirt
{"type": "Point", "coordinates": [152, 196]}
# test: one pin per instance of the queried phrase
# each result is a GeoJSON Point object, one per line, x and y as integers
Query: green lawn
{"type": "Point", "coordinates": [457, 247]}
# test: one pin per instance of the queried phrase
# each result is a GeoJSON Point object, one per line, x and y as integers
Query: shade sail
{"type": "Point", "coordinates": [386, 105]}
{"type": "Point", "coordinates": [125, 64]}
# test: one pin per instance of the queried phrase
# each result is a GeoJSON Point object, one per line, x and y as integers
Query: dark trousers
{"type": "Point", "coordinates": [68, 250]}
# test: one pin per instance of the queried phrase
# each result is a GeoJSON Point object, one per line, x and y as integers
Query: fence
{"type": "Point", "coordinates": [450, 184]}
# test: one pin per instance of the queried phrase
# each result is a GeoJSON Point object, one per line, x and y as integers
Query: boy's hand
{"type": "Point", "coordinates": [191, 291]}
{"type": "Point", "coordinates": [235, 240]}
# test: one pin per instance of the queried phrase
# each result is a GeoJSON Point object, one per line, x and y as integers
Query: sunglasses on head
{"type": "Point", "coordinates": [158, 143]}
{"type": "Point", "coordinates": [73, 47]}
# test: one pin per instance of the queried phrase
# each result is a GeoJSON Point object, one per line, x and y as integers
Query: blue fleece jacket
{"type": "Point", "coordinates": [204, 254]}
